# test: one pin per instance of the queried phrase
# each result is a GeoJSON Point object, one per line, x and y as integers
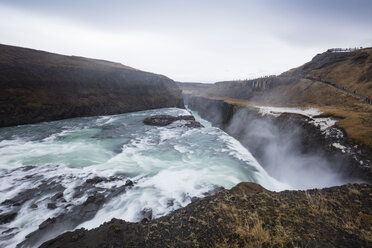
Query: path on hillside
{"type": "Point", "coordinates": [353, 93]}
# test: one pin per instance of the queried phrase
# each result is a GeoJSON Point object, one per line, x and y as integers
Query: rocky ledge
{"type": "Point", "coordinates": [165, 120]}
{"type": "Point", "coordinates": [246, 216]}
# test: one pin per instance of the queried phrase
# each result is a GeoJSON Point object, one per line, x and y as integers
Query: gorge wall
{"type": "Point", "coordinates": [289, 146]}
{"type": "Point", "coordinates": [38, 86]}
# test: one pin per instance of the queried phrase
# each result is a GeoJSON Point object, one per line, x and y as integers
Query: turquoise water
{"type": "Point", "coordinates": [167, 164]}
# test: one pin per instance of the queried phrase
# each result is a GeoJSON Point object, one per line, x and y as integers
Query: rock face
{"type": "Point", "coordinates": [165, 120]}
{"type": "Point", "coordinates": [287, 134]}
{"type": "Point", "coordinates": [246, 216]}
{"type": "Point", "coordinates": [38, 86]}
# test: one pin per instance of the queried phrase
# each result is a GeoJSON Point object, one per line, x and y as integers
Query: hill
{"type": "Point", "coordinates": [39, 86]}
{"type": "Point", "coordinates": [336, 83]}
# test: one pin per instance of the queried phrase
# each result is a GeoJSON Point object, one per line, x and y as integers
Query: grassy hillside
{"type": "Point", "coordinates": [349, 70]}
{"type": "Point", "coordinates": [39, 86]}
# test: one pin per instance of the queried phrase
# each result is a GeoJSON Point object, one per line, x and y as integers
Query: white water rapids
{"type": "Point", "coordinates": [168, 165]}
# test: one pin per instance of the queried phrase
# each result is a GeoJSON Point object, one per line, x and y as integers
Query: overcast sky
{"type": "Point", "coordinates": [190, 40]}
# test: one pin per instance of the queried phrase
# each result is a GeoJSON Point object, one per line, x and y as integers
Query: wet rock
{"type": "Point", "coordinates": [46, 223]}
{"type": "Point", "coordinates": [165, 120]}
{"type": "Point", "coordinates": [214, 191]}
{"type": "Point", "coordinates": [29, 167]}
{"type": "Point", "coordinates": [76, 214]}
{"type": "Point", "coordinates": [78, 193]}
{"type": "Point", "coordinates": [47, 187]}
{"type": "Point", "coordinates": [52, 206]}
{"type": "Point", "coordinates": [34, 206]}
{"type": "Point", "coordinates": [146, 214]}
{"type": "Point", "coordinates": [57, 196]}
{"type": "Point", "coordinates": [95, 180]}
{"type": "Point", "coordinates": [193, 124]}
{"type": "Point", "coordinates": [129, 183]}
{"type": "Point", "coordinates": [10, 230]}
{"type": "Point", "coordinates": [170, 202]}
{"type": "Point", "coordinates": [7, 217]}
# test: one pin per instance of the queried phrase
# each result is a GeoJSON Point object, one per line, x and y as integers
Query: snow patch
{"type": "Point", "coordinates": [339, 146]}
{"type": "Point", "coordinates": [324, 124]}
{"type": "Point", "coordinates": [276, 111]}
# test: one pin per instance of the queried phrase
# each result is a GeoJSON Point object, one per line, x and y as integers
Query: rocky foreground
{"type": "Point", "coordinates": [246, 216]}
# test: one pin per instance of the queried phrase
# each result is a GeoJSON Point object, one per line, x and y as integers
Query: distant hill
{"type": "Point", "coordinates": [39, 86]}
{"type": "Point", "coordinates": [350, 70]}
{"type": "Point", "coordinates": [337, 83]}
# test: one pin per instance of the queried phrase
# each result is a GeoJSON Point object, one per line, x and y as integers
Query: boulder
{"type": "Point", "coordinates": [165, 120]}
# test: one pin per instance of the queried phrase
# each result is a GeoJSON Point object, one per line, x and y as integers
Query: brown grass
{"type": "Point", "coordinates": [356, 121]}
{"type": "Point", "coordinates": [246, 229]}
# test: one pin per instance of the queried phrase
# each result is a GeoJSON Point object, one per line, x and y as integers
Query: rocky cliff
{"type": "Point", "coordinates": [39, 86]}
{"type": "Point", "coordinates": [246, 216]}
{"type": "Point", "coordinates": [293, 140]}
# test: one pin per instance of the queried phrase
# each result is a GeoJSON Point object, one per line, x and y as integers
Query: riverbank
{"type": "Point", "coordinates": [246, 216]}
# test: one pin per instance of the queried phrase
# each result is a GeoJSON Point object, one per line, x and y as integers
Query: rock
{"type": "Point", "coordinates": [247, 188]}
{"type": "Point", "coordinates": [46, 223]}
{"type": "Point", "coordinates": [76, 214]}
{"type": "Point", "coordinates": [193, 124]}
{"type": "Point", "coordinates": [47, 187]}
{"type": "Point", "coordinates": [146, 215]}
{"type": "Point", "coordinates": [159, 120]}
{"type": "Point", "coordinates": [95, 180]}
{"type": "Point", "coordinates": [165, 120]}
{"type": "Point", "coordinates": [78, 193]}
{"type": "Point", "coordinates": [8, 217]}
{"type": "Point", "coordinates": [57, 196]}
{"type": "Point", "coordinates": [52, 205]}
{"type": "Point", "coordinates": [34, 206]}
{"type": "Point", "coordinates": [9, 230]}
{"type": "Point", "coordinates": [129, 183]}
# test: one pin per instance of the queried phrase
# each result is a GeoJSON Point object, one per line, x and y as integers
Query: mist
{"type": "Point", "coordinates": [285, 150]}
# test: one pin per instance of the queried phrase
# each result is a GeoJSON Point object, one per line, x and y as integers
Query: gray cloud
{"type": "Point", "coordinates": [190, 40]}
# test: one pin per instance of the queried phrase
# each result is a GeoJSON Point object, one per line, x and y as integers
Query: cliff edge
{"type": "Point", "coordinates": [246, 216]}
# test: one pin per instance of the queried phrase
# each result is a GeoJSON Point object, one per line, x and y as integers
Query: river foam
{"type": "Point", "coordinates": [169, 166]}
